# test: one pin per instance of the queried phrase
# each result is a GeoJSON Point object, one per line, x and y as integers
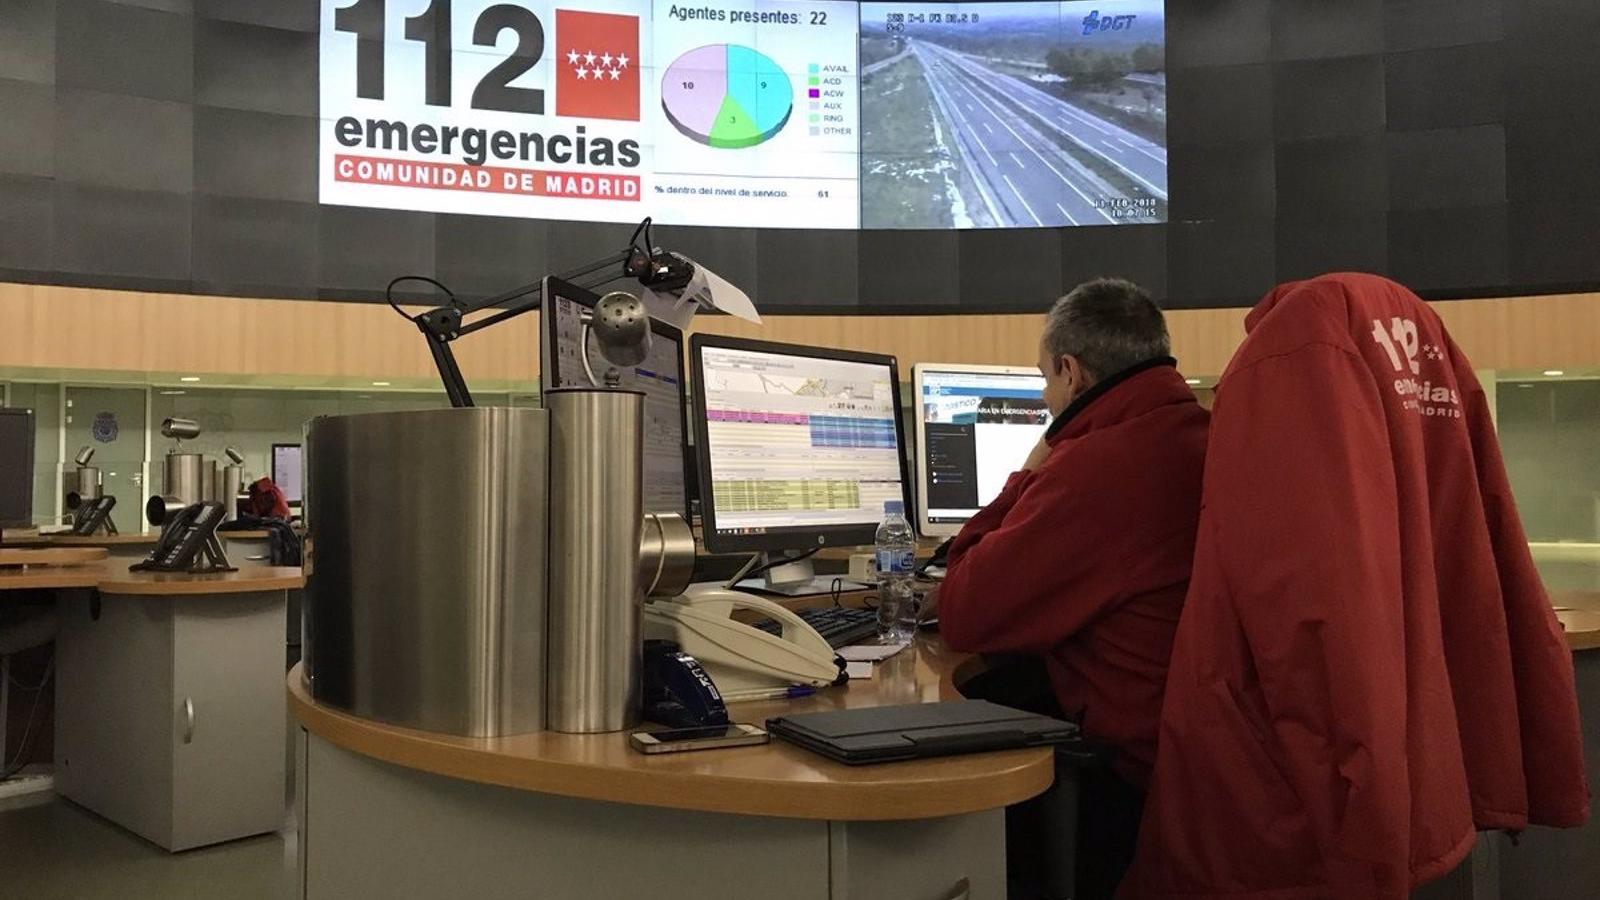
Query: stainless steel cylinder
{"type": "Point", "coordinates": [425, 595]}
{"type": "Point", "coordinates": [88, 482]}
{"type": "Point", "coordinates": [596, 516]}
{"type": "Point", "coordinates": [181, 429]}
{"type": "Point", "coordinates": [232, 483]}
{"type": "Point", "coordinates": [158, 509]}
{"type": "Point", "coordinates": [185, 477]}
{"type": "Point", "coordinates": [666, 555]}
{"type": "Point", "coordinates": [210, 480]}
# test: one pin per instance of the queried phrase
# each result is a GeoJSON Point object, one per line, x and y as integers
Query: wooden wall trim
{"type": "Point", "coordinates": [57, 328]}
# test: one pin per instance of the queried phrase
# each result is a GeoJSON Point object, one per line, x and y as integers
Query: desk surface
{"type": "Point", "coordinates": [51, 556]}
{"type": "Point", "coordinates": [773, 780]}
{"type": "Point", "coordinates": [124, 539]}
{"type": "Point", "coordinates": [113, 577]}
{"type": "Point", "coordinates": [1582, 626]}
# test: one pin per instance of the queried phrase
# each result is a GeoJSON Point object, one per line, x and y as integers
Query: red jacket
{"type": "Point", "coordinates": [1086, 560]}
{"type": "Point", "coordinates": [1367, 667]}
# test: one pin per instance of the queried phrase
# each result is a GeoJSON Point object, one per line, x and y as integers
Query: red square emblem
{"type": "Point", "coordinates": [597, 65]}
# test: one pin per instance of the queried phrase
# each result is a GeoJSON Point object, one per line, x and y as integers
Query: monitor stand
{"type": "Point", "coordinates": [796, 579]}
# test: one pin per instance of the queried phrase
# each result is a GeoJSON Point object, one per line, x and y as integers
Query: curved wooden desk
{"type": "Point", "coordinates": [51, 577]}
{"type": "Point", "coordinates": [387, 811]}
{"type": "Point", "coordinates": [113, 577]}
{"type": "Point", "coordinates": [118, 580]}
{"type": "Point", "coordinates": [124, 539]}
{"type": "Point", "coordinates": [775, 780]}
{"type": "Point", "coordinates": [1582, 627]}
{"type": "Point", "coordinates": [51, 556]}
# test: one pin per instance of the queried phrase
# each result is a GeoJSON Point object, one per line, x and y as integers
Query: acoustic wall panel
{"type": "Point", "coordinates": [171, 145]}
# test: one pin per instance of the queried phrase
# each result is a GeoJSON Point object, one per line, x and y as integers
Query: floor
{"type": "Point", "coordinates": [55, 850]}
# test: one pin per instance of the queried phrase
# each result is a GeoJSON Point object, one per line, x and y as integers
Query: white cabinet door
{"type": "Point", "coordinates": [113, 680]}
{"type": "Point", "coordinates": [227, 715]}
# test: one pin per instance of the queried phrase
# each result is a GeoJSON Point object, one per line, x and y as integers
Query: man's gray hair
{"type": "Point", "coordinates": [1108, 325]}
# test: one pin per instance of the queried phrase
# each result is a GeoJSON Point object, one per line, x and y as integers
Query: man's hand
{"type": "Point", "coordinates": [1041, 451]}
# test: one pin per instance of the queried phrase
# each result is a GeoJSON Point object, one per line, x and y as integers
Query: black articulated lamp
{"type": "Point", "coordinates": [620, 324]}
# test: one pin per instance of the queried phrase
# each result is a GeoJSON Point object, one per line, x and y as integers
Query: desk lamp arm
{"type": "Point", "coordinates": [651, 266]}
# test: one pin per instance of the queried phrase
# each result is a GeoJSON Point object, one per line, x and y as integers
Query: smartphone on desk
{"type": "Point", "coordinates": [712, 737]}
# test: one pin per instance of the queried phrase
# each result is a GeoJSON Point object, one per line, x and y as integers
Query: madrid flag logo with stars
{"type": "Point", "coordinates": [597, 65]}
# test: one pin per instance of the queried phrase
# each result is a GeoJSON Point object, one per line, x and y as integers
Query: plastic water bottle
{"type": "Point", "coordinates": [897, 563]}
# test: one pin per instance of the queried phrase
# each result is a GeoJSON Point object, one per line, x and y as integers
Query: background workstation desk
{"type": "Point", "coordinates": [1565, 863]}
{"type": "Point", "coordinates": [169, 716]}
{"type": "Point", "coordinates": [129, 546]}
{"type": "Point", "coordinates": [244, 548]}
{"type": "Point", "coordinates": [387, 811]}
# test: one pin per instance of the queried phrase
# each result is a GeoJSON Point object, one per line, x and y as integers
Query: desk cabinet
{"type": "Point", "coordinates": [387, 831]}
{"type": "Point", "coordinates": [170, 715]}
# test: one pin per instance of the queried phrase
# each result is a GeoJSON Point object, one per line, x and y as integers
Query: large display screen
{"type": "Point", "coordinates": [749, 113]}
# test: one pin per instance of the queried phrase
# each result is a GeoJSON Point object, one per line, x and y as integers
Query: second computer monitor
{"type": "Point", "coordinates": [975, 426]}
{"type": "Point", "coordinates": [288, 472]}
{"type": "Point", "coordinates": [799, 447]}
{"type": "Point", "coordinates": [659, 378]}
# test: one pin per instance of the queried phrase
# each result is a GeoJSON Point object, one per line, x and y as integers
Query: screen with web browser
{"type": "Point", "coordinates": [976, 428]}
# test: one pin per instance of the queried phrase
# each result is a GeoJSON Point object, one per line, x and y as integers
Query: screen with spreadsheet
{"type": "Point", "coordinates": [798, 443]}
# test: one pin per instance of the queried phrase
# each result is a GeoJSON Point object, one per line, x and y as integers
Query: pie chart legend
{"type": "Point", "coordinates": [727, 96]}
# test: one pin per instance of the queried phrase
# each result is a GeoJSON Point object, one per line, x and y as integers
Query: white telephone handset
{"type": "Point", "coordinates": [741, 659]}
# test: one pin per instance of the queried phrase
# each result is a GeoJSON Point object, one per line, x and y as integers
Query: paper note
{"type": "Point", "coordinates": [869, 652]}
{"type": "Point", "coordinates": [705, 289]}
{"type": "Point", "coordinates": [858, 671]}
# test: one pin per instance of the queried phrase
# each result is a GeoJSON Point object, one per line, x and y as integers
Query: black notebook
{"type": "Point", "coordinates": [917, 730]}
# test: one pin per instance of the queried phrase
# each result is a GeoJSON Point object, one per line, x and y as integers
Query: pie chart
{"type": "Point", "coordinates": [727, 96]}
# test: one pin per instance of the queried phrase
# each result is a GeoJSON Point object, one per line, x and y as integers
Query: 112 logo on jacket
{"type": "Point", "coordinates": [1425, 398]}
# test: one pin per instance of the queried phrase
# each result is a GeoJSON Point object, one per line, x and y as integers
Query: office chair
{"type": "Point", "coordinates": [1042, 839]}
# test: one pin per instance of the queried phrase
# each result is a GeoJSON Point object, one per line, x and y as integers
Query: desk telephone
{"type": "Point", "coordinates": [189, 543]}
{"type": "Point", "coordinates": [745, 662]}
{"type": "Point", "coordinates": [91, 516]}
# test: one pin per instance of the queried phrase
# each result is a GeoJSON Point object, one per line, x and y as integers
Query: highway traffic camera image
{"type": "Point", "coordinates": [1013, 115]}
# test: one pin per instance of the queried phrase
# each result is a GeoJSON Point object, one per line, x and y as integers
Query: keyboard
{"type": "Point", "coordinates": [840, 626]}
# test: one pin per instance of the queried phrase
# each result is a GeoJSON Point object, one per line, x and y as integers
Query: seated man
{"type": "Point", "coordinates": [1083, 558]}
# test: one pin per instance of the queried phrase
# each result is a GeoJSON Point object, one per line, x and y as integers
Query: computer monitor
{"type": "Point", "coordinates": [287, 472]}
{"type": "Point", "coordinates": [660, 378]}
{"type": "Point", "coordinates": [16, 468]}
{"type": "Point", "coordinates": [799, 447]}
{"type": "Point", "coordinates": [975, 426]}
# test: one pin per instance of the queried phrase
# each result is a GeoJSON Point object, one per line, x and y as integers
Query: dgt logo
{"type": "Point", "coordinates": [1094, 22]}
{"type": "Point", "coordinates": [597, 65]}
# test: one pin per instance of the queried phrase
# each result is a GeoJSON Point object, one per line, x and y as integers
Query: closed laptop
{"type": "Point", "coordinates": [918, 730]}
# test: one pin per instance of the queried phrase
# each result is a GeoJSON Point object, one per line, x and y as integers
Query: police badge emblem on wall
{"type": "Point", "coordinates": [105, 427]}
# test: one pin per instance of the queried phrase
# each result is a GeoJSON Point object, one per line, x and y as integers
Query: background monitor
{"type": "Point", "coordinates": [16, 467]}
{"type": "Point", "coordinates": [287, 471]}
{"type": "Point", "coordinates": [798, 446]}
{"type": "Point", "coordinates": [660, 378]}
{"type": "Point", "coordinates": [975, 426]}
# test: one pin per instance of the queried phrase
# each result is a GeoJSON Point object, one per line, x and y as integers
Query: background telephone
{"type": "Point", "coordinates": [189, 542]}
{"type": "Point", "coordinates": [92, 515]}
{"type": "Point", "coordinates": [744, 661]}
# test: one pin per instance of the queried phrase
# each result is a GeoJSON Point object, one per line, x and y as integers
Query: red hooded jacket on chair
{"type": "Point", "coordinates": [1367, 668]}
